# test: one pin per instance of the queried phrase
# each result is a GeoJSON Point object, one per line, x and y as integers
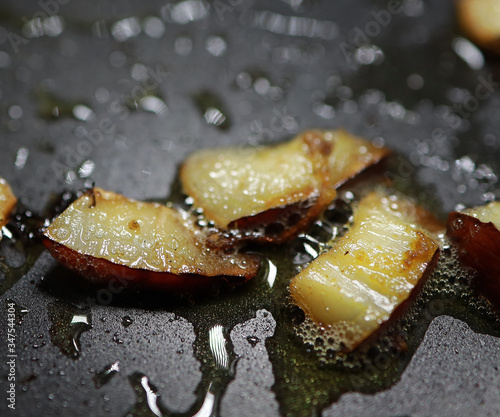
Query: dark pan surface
{"type": "Point", "coordinates": [271, 69]}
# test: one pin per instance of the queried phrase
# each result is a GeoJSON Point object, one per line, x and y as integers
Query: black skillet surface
{"type": "Point", "coordinates": [146, 75]}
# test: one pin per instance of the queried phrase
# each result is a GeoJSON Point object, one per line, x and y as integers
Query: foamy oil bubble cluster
{"type": "Point", "coordinates": [448, 289]}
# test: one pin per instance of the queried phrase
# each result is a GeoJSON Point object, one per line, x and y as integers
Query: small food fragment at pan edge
{"type": "Point", "coordinates": [7, 203]}
{"type": "Point", "coordinates": [372, 272]}
{"type": "Point", "coordinates": [480, 20]}
{"type": "Point", "coordinates": [104, 235]}
{"type": "Point", "coordinates": [476, 234]}
{"type": "Point", "coordinates": [275, 191]}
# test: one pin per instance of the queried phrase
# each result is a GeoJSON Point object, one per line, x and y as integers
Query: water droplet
{"type": "Point", "coordinates": [212, 110]}
{"type": "Point", "coordinates": [253, 340]}
{"type": "Point", "coordinates": [369, 54]}
{"type": "Point", "coordinates": [83, 113]}
{"type": "Point", "coordinates": [86, 169]}
{"type": "Point", "coordinates": [153, 27]}
{"type": "Point", "coordinates": [147, 397]}
{"type": "Point", "coordinates": [216, 45]}
{"type": "Point", "coordinates": [21, 157]}
{"type": "Point", "coordinates": [68, 323]}
{"type": "Point", "coordinates": [116, 338]}
{"type": "Point", "coordinates": [415, 81]}
{"type": "Point", "coordinates": [187, 11]}
{"type": "Point", "coordinates": [127, 321]}
{"type": "Point", "coordinates": [153, 104]}
{"type": "Point", "coordinates": [104, 376]}
{"type": "Point", "coordinates": [126, 28]}
{"type": "Point", "coordinates": [15, 112]}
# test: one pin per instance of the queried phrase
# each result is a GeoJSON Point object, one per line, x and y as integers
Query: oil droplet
{"type": "Point", "coordinates": [116, 338]}
{"type": "Point", "coordinates": [51, 107]}
{"type": "Point", "coordinates": [207, 408]}
{"type": "Point", "coordinates": [21, 157]}
{"type": "Point", "coordinates": [153, 27]}
{"type": "Point", "coordinates": [147, 397]}
{"type": "Point", "coordinates": [218, 348]}
{"type": "Point", "coordinates": [253, 340]}
{"type": "Point", "coordinates": [186, 11]}
{"type": "Point", "coordinates": [104, 376]}
{"type": "Point", "coordinates": [216, 45]}
{"type": "Point", "coordinates": [127, 321]}
{"type": "Point", "coordinates": [212, 110]}
{"type": "Point", "coordinates": [126, 28]}
{"type": "Point", "coordinates": [68, 323]}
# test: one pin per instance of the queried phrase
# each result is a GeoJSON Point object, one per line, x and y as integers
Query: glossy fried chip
{"type": "Point", "coordinates": [7, 203]}
{"type": "Point", "coordinates": [104, 235]}
{"type": "Point", "coordinates": [476, 233]}
{"type": "Point", "coordinates": [350, 155]}
{"type": "Point", "coordinates": [370, 273]}
{"type": "Point", "coordinates": [278, 189]}
{"type": "Point", "coordinates": [480, 20]}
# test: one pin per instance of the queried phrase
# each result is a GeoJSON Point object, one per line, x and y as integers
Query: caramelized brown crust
{"type": "Point", "coordinates": [101, 271]}
{"type": "Point", "coordinates": [478, 245]}
{"type": "Point", "coordinates": [333, 157]}
{"type": "Point", "coordinates": [274, 226]}
{"type": "Point", "coordinates": [103, 235]}
{"type": "Point", "coordinates": [351, 155]}
{"type": "Point", "coordinates": [282, 211]}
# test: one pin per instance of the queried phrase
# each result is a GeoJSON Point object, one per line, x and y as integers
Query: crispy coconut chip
{"type": "Point", "coordinates": [272, 193]}
{"type": "Point", "coordinates": [103, 234]}
{"type": "Point", "coordinates": [7, 203]}
{"type": "Point", "coordinates": [370, 273]}
{"type": "Point", "coordinates": [480, 20]}
{"type": "Point", "coordinates": [476, 233]}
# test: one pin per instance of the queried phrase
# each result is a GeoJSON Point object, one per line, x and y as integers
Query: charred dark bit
{"type": "Point", "coordinates": [91, 193]}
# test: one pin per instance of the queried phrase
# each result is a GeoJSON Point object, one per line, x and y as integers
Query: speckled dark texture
{"type": "Point", "coordinates": [137, 153]}
{"type": "Point", "coordinates": [455, 372]}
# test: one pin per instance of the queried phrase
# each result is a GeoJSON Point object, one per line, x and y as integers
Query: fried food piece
{"type": "Point", "coordinates": [476, 233]}
{"type": "Point", "coordinates": [371, 272]}
{"type": "Point", "coordinates": [7, 203]}
{"type": "Point", "coordinates": [104, 235]}
{"type": "Point", "coordinates": [350, 155]}
{"type": "Point", "coordinates": [275, 191]}
{"type": "Point", "coordinates": [480, 20]}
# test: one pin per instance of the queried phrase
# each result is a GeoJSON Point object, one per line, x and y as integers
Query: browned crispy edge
{"type": "Point", "coordinates": [101, 271]}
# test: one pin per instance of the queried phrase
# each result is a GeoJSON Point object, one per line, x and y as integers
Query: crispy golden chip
{"type": "Point", "coordinates": [7, 203]}
{"type": "Point", "coordinates": [476, 233]}
{"type": "Point", "coordinates": [370, 272]}
{"type": "Point", "coordinates": [280, 188]}
{"type": "Point", "coordinates": [480, 20]}
{"type": "Point", "coordinates": [103, 234]}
